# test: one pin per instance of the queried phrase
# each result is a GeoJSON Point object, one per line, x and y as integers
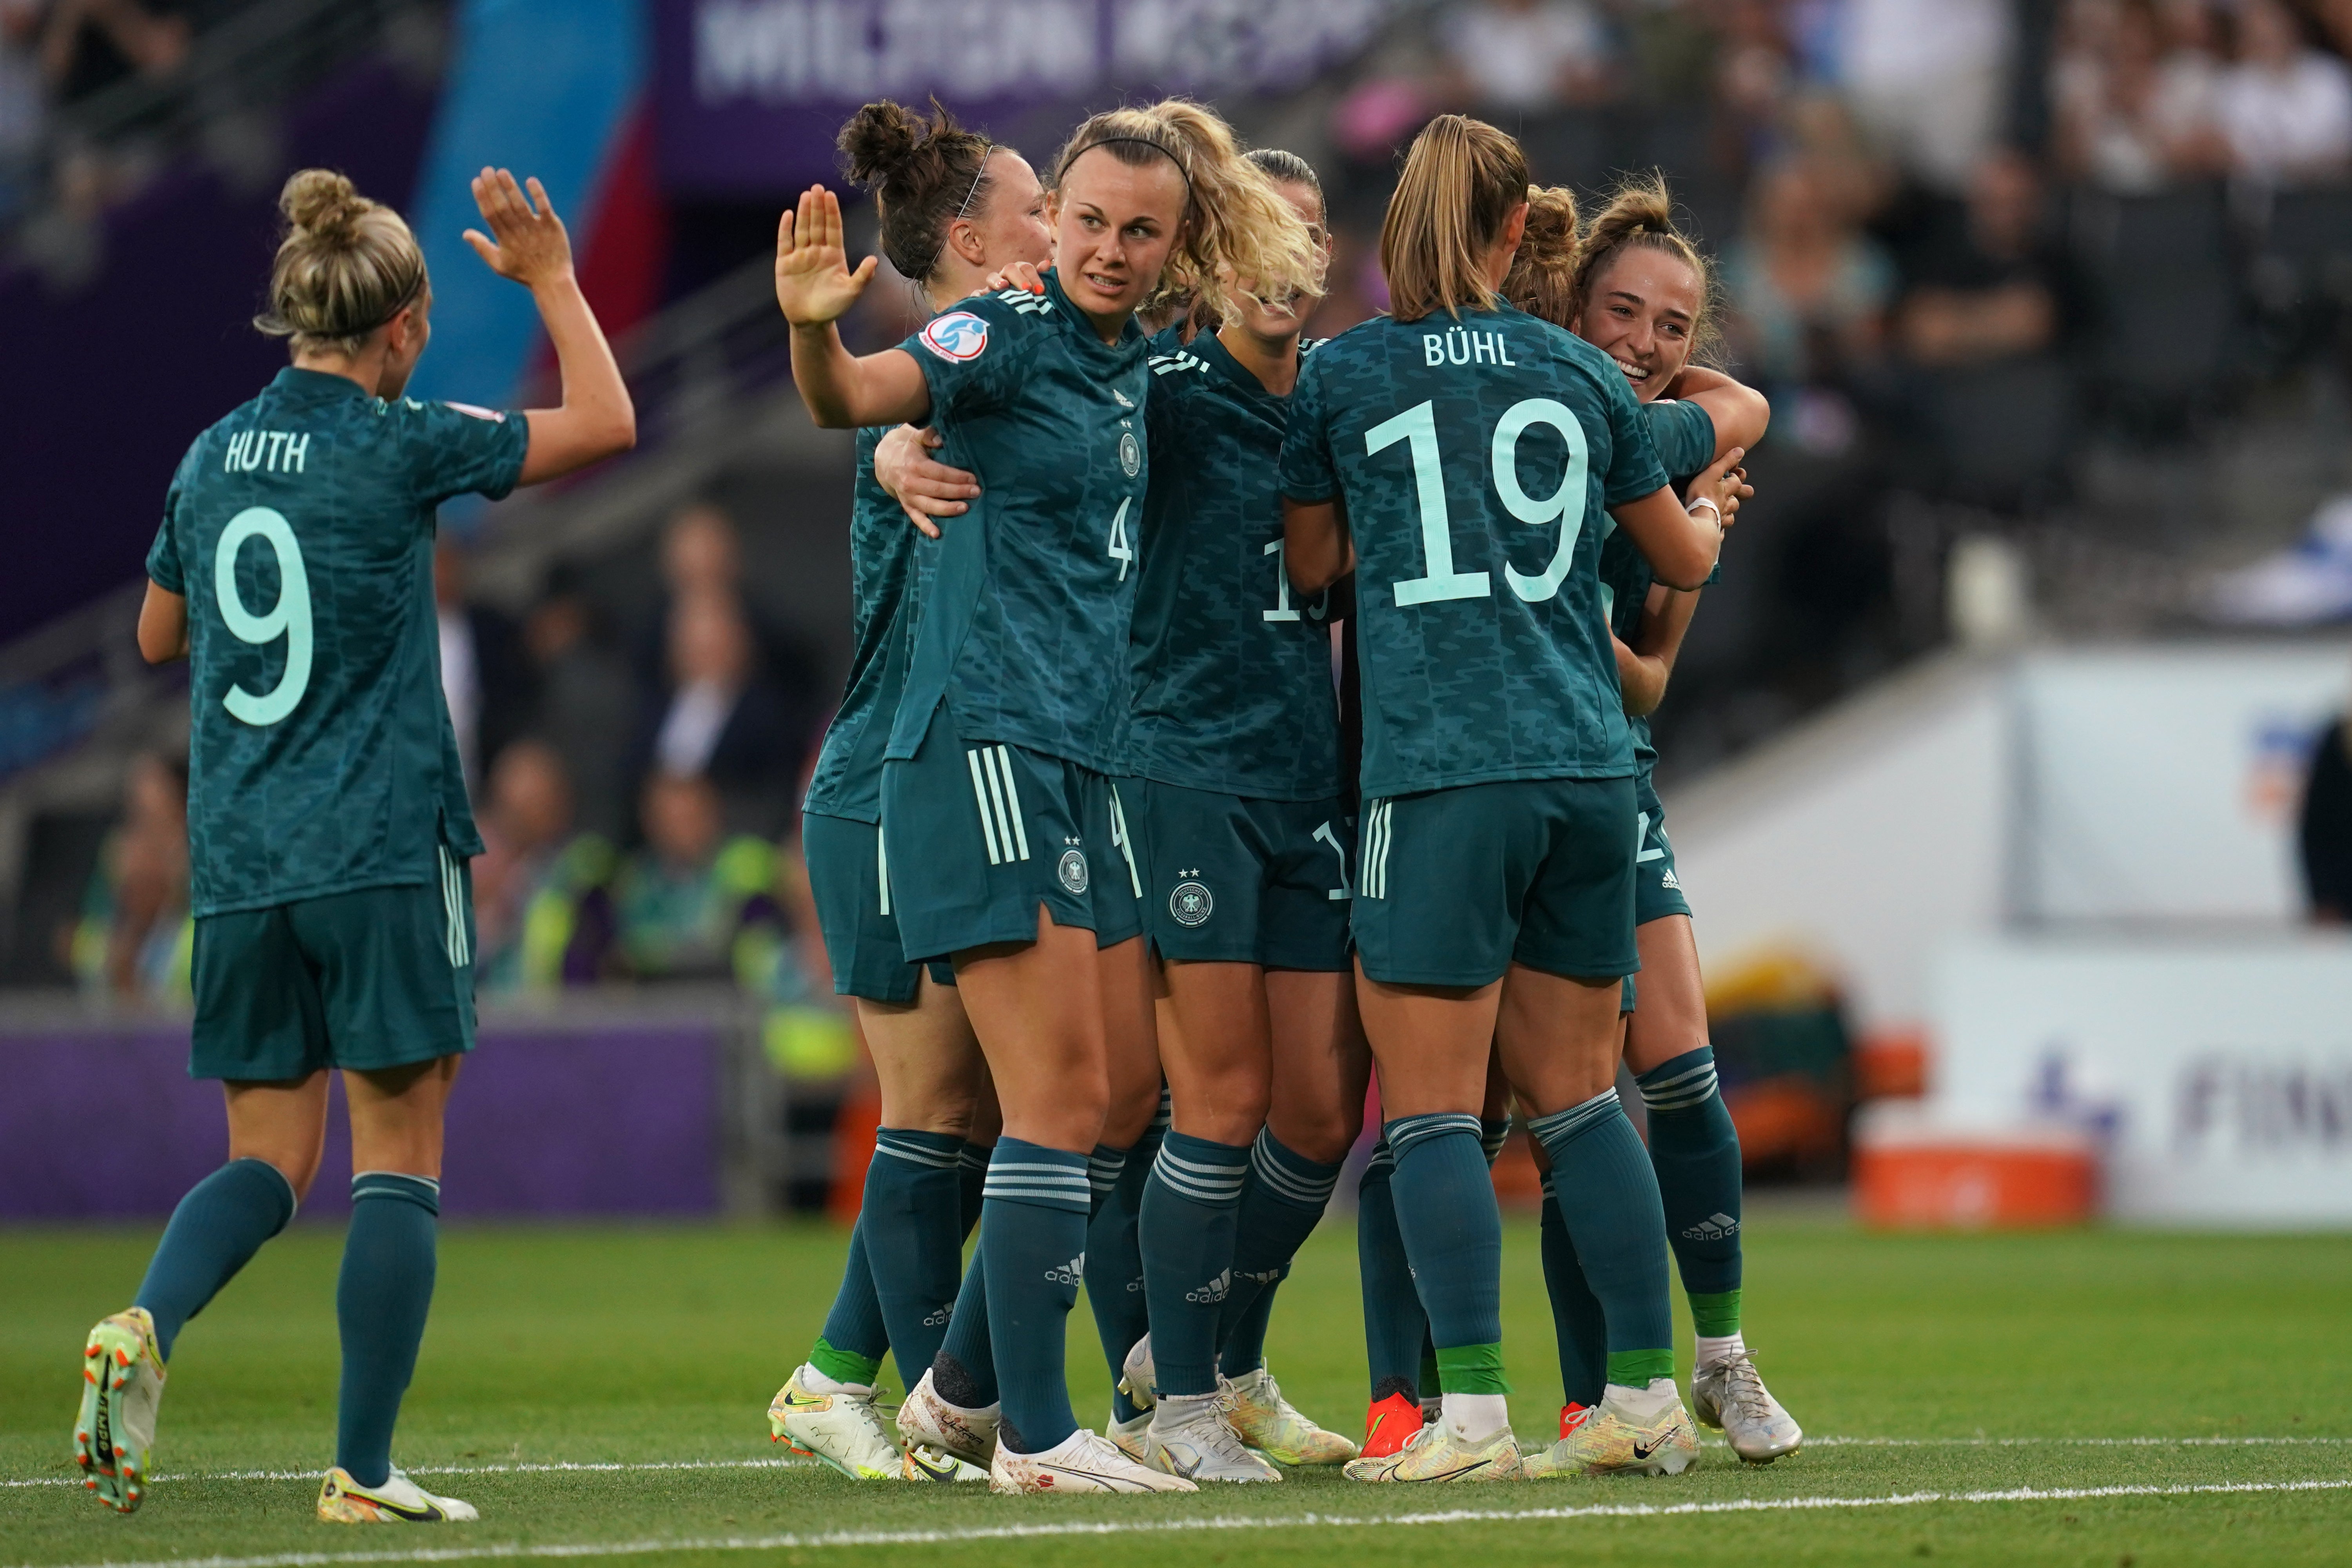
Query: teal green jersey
{"type": "Point", "coordinates": [1684, 434]}
{"type": "Point", "coordinates": [1024, 627]}
{"type": "Point", "coordinates": [882, 550]}
{"type": "Point", "coordinates": [1233, 671]}
{"type": "Point", "coordinates": [1476, 460]}
{"type": "Point", "coordinates": [299, 529]}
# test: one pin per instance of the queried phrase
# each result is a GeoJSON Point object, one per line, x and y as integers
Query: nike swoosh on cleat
{"type": "Point", "coordinates": [1454, 1475]}
{"type": "Point", "coordinates": [426, 1515]}
{"type": "Point", "coordinates": [1642, 1452]}
{"type": "Point", "coordinates": [943, 1473]}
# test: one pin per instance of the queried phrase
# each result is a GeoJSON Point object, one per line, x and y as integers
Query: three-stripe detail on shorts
{"type": "Point", "coordinates": [1124, 840]}
{"type": "Point", "coordinates": [1380, 834]}
{"type": "Point", "coordinates": [999, 803]}
{"type": "Point", "coordinates": [452, 906]}
{"type": "Point", "coordinates": [882, 866]}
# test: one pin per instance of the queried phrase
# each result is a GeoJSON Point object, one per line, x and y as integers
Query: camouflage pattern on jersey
{"type": "Point", "coordinates": [1233, 671]}
{"type": "Point", "coordinates": [1024, 630]}
{"type": "Point", "coordinates": [1498, 441]}
{"type": "Point", "coordinates": [883, 548]}
{"type": "Point", "coordinates": [300, 530]}
{"type": "Point", "coordinates": [1685, 436]}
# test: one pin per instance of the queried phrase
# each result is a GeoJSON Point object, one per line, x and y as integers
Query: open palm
{"type": "Point", "coordinates": [814, 282]}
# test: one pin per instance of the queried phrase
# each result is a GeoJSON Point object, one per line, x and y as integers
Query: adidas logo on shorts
{"type": "Point", "coordinates": [1071, 1273]}
{"type": "Point", "coordinates": [1715, 1228]}
{"type": "Point", "coordinates": [1214, 1291]}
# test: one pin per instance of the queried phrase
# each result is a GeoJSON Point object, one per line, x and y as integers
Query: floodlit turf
{"type": "Point", "coordinates": [640, 1347]}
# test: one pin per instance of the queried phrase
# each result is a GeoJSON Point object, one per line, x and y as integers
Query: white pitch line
{"type": "Point", "coordinates": [1810, 1442]}
{"type": "Point", "coordinates": [519, 1549]}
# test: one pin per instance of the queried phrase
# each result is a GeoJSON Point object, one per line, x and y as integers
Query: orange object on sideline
{"type": "Point", "coordinates": [1891, 1064]}
{"type": "Point", "coordinates": [853, 1131]}
{"type": "Point", "coordinates": [1923, 1181]}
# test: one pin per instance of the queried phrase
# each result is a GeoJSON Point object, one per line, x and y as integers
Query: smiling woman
{"type": "Point", "coordinates": [1007, 842]}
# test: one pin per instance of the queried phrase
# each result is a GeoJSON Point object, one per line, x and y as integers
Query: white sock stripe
{"type": "Point", "coordinates": [1041, 1170]}
{"type": "Point", "coordinates": [987, 822]}
{"type": "Point", "coordinates": [1547, 1129]}
{"type": "Point", "coordinates": [1305, 1192]}
{"type": "Point", "coordinates": [432, 1181]}
{"type": "Point", "coordinates": [1013, 795]}
{"type": "Point", "coordinates": [916, 1154]}
{"type": "Point", "coordinates": [1213, 1169]}
{"type": "Point", "coordinates": [1165, 1116]}
{"type": "Point", "coordinates": [1421, 1128]}
{"type": "Point", "coordinates": [1681, 1096]}
{"type": "Point", "coordinates": [1185, 1187]}
{"type": "Point", "coordinates": [973, 1157]}
{"type": "Point", "coordinates": [1043, 1197]}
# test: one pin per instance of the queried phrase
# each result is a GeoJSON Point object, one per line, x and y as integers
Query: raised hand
{"type": "Point", "coordinates": [531, 246]}
{"type": "Point", "coordinates": [814, 282]}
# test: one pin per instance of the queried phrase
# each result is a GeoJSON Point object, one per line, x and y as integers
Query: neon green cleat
{"type": "Point", "coordinates": [1434, 1454]}
{"type": "Point", "coordinates": [122, 1382]}
{"type": "Point", "coordinates": [1276, 1428]}
{"type": "Point", "coordinates": [842, 1430]}
{"type": "Point", "coordinates": [342, 1500]}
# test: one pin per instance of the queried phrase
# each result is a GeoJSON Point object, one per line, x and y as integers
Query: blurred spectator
{"type": "Point", "coordinates": [1527, 55]}
{"type": "Point", "coordinates": [1994, 284]}
{"type": "Point", "coordinates": [694, 904]}
{"type": "Point", "coordinates": [1808, 293]}
{"type": "Point", "coordinates": [484, 676]}
{"type": "Point", "coordinates": [135, 937]}
{"type": "Point", "coordinates": [90, 45]}
{"type": "Point", "coordinates": [2327, 827]}
{"type": "Point", "coordinates": [2136, 107]}
{"type": "Point", "coordinates": [588, 705]}
{"type": "Point", "coordinates": [2284, 107]}
{"type": "Point", "coordinates": [1754, 70]}
{"type": "Point", "coordinates": [1929, 78]}
{"type": "Point", "coordinates": [720, 717]}
{"type": "Point", "coordinates": [23, 112]}
{"type": "Point", "coordinates": [543, 906]}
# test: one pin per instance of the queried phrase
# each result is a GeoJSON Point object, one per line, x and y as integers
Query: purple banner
{"type": "Point", "coordinates": [749, 94]}
{"type": "Point", "coordinates": [101, 1120]}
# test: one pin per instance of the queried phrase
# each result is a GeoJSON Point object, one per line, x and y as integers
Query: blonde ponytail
{"type": "Point", "coordinates": [1460, 182]}
{"type": "Point", "coordinates": [346, 267]}
{"type": "Point", "coordinates": [1237, 227]}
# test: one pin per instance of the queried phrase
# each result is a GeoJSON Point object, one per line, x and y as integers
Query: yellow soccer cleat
{"type": "Point", "coordinates": [1630, 1432]}
{"type": "Point", "coordinates": [1434, 1454]}
{"type": "Point", "coordinates": [122, 1382]}
{"type": "Point", "coordinates": [342, 1500]}
{"type": "Point", "coordinates": [1276, 1428]}
{"type": "Point", "coordinates": [1081, 1462]}
{"type": "Point", "coordinates": [840, 1428]}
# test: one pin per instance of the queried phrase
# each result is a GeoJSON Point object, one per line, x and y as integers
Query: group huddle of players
{"type": "Point", "coordinates": [1130, 915]}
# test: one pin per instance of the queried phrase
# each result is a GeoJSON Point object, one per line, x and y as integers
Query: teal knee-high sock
{"type": "Point", "coordinates": [1281, 1204]}
{"type": "Point", "coordinates": [1694, 1150]}
{"type": "Point", "coordinates": [855, 1337]}
{"type": "Point", "coordinates": [971, 1171]}
{"type": "Point", "coordinates": [912, 1220]}
{"type": "Point", "coordinates": [1453, 1235]}
{"type": "Point", "coordinates": [1608, 1198]}
{"type": "Point", "coordinates": [1187, 1232]}
{"type": "Point", "coordinates": [1115, 1289]}
{"type": "Point", "coordinates": [964, 1372]}
{"type": "Point", "coordinates": [1576, 1321]}
{"type": "Point", "coordinates": [1032, 1236]}
{"type": "Point", "coordinates": [381, 1300]}
{"type": "Point", "coordinates": [1394, 1326]}
{"type": "Point", "coordinates": [215, 1232]}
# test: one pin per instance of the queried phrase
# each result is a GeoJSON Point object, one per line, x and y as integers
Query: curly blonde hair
{"type": "Point", "coordinates": [1236, 224]}
{"type": "Point", "coordinates": [1542, 280]}
{"type": "Point", "coordinates": [346, 267]}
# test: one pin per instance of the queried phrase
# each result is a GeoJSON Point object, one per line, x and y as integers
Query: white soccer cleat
{"type": "Point", "coordinates": [928, 1464]}
{"type": "Point", "coordinates": [1729, 1394]}
{"type": "Point", "coordinates": [1081, 1462]}
{"type": "Point", "coordinates": [1191, 1436]}
{"type": "Point", "coordinates": [122, 1382]}
{"type": "Point", "coordinates": [1640, 1432]}
{"type": "Point", "coordinates": [1128, 1436]}
{"type": "Point", "coordinates": [927, 1421]}
{"type": "Point", "coordinates": [342, 1500]}
{"type": "Point", "coordinates": [1435, 1454]}
{"type": "Point", "coordinates": [1278, 1429]}
{"type": "Point", "coordinates": [841, 1428]}
{"type": "Point", "coordinates": [1138, 1378]}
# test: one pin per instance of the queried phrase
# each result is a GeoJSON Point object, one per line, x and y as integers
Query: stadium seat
{"type": "Point", "coordinates": [2162, 266]}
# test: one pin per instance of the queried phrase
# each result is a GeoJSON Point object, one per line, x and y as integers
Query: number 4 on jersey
{"type": "Point", "coordinates": [1119, 549]}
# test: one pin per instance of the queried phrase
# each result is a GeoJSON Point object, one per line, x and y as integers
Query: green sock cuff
{"type": "Point", "coordinates": [1716, 1316]}
{"type": "Point", "coordinates": [1476, 1369]}
{"type": "Point", "coordinates": [1639, 1369]}
{"type": "Point", "coordinates": [846, 1366]}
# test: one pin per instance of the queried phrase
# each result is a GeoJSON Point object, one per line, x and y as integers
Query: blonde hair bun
{"type": "Point", "coordinates": [324, 204]}
{"type": "Point", "coordinates": [346, 267]}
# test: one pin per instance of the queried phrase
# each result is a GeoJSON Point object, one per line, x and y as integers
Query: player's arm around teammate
{"type": "Point", "coordinates": [995, 787]}
{"type": "Point", "coordinates": [329, 824]}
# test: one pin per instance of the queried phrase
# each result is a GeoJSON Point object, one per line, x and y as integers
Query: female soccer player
{"type": "Point", "coordinates": [1637, 288]}
{"type": "Point", "coordinates": [326, 816]}
{"type": "Point", "coordinates": [954, 209]}
{"type": "Point", "coordinates": [1463, 457]}
{"type": "Point", "coordinates": [1007, 846]}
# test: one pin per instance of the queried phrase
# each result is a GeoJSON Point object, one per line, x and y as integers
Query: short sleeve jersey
{"type": "Point", "coordinates": [1476, 459]}
{"type": "Point", "coordinates": [1233, 670]}
{"type": "Point", "coordinates": [299, 529]}
{"type": "Point", "coordinates": [1685, 436]}
{"type": "Point", "coordinates": [1023, 630]}
{"type": "Point", "coordinates": [882, 550]}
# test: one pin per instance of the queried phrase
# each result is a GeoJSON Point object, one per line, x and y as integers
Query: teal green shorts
{"type": "Point", "coordinates": [980, 833]}
{"type": "Point", "coordinates": [849, 879]}
{"type": "Point", "coordinates": [1234, 879]}
{"type": "Point", "coordinates": [1455, 885]}
{"type": "Point", "coordinates": [381, 977]}
{"type": "Point", "coordinates": [1656, 893]}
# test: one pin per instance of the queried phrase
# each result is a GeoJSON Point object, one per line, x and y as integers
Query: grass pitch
{"type": "Point", "coordinates": [599, 1393]}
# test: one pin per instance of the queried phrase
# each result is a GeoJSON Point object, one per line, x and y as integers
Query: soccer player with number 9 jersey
{"type": "Point", "coordinates": [329, 829]}
{"type": "Point", "coordinates": [1463, 457]}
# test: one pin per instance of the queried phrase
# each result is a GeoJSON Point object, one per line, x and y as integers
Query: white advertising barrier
{"type": "Point", "coordinates": [2217, 1075]}
{"type": "Point", "coordinates": [2162, 784]}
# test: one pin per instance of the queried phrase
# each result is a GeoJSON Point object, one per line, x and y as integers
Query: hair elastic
{"type": "Point", "coordinates": [1182, 173]}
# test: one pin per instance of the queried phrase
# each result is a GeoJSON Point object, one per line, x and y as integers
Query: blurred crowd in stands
{"type": "Point", "coordinates": [58, 54]}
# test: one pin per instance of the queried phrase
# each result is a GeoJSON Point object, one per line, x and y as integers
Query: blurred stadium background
{"type": "Point", "coordinates": [2006, 765]}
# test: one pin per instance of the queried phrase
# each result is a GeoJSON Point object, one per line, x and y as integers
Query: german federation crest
{"type": "Point", "coordinates": [1191, 904]}
{"type": "Point", "coordinates": [1072, 870]}
{"type": "Point", "coordinates": [957, 337]}
{"type": "Point", "coordinates": [1130, 455]}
